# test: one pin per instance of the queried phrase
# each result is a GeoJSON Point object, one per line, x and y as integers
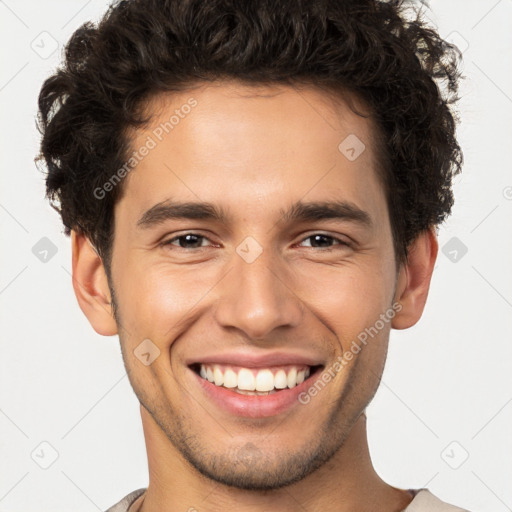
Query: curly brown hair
{"type": "Point", "coordinates": [392, 60]}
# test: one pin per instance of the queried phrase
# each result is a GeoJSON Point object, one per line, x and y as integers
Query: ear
{"type": "Point", "coordinates": [91, 285]}
{"type": "Point", "coordinates": [414, 279]}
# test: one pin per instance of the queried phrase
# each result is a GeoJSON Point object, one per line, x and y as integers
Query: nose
{"type": "Point", "coordinates": [256, 298]}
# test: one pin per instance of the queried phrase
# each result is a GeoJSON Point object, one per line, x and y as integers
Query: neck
{"type": "Point", "coordinates": [345, 483]}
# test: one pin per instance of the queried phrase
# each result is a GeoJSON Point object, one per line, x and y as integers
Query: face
{"type": "Point", "coordinates": [286, 262]}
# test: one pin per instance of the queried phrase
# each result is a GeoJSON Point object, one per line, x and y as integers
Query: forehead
{"type": "Point", "coordinates": [252, 146]}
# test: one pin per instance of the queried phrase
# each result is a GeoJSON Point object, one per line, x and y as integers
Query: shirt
{"type": "Point", "coordinates": [423, 501]}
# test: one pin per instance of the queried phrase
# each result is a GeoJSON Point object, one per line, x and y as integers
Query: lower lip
{"type": "Point", "coordinates": [254, 406]}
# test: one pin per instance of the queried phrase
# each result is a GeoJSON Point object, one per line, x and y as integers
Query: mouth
{"type": "Point", "coordinates": [255, 381]}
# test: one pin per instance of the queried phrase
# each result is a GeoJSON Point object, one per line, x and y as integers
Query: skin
{"type": "Point", "coordinates": [254, 150]}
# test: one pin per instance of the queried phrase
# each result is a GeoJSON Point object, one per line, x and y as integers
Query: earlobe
{"type": "Point", "coordinates": [414, 279]}
{"type": "Point", "coordinates": [91, 285]}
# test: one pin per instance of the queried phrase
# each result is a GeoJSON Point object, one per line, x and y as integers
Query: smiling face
{"type": "Point", "coordinates": [252, 252]}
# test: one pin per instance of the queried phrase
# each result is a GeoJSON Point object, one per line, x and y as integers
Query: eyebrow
{"type": "Point", "coordinates": [169, 209]}
{"type": "Point", "coordinates": [324, 210]}
{"type": "Point", "coordinates": [298, 212]}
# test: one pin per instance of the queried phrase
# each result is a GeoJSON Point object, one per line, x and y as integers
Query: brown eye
{"type": "Point", "coordinates": [320, 240]}
{"type": "Point", "coordinates": [187, 241]}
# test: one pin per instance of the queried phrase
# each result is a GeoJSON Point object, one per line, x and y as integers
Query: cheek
{"type": "Point", "coordinates": [350, 302]}
{"type": "Point", "coordinates": [348, 295]}
{"type": "Point", "coordinates": [155, 299]}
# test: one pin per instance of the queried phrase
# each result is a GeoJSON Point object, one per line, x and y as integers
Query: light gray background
{"type": "Point", "coordinates": [446, 393]}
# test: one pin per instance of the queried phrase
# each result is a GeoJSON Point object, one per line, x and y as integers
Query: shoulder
{"type": "Point", "coordinates": [425, 501]}
{"type": "Point", "coordinates": [126, 502]}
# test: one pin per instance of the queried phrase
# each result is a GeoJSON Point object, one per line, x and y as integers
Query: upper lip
{"type": "Point", "coordinates": [251, 360]}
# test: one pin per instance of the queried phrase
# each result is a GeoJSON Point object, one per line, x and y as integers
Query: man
{"type": "Point", "coordinates": [252, 190]}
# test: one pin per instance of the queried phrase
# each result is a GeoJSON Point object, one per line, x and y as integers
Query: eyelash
{"type": "Point", "coordinates": [341, 242]}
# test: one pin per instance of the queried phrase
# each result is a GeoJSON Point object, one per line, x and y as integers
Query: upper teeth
{"type": "Point", "coordinates": [254, 380]}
